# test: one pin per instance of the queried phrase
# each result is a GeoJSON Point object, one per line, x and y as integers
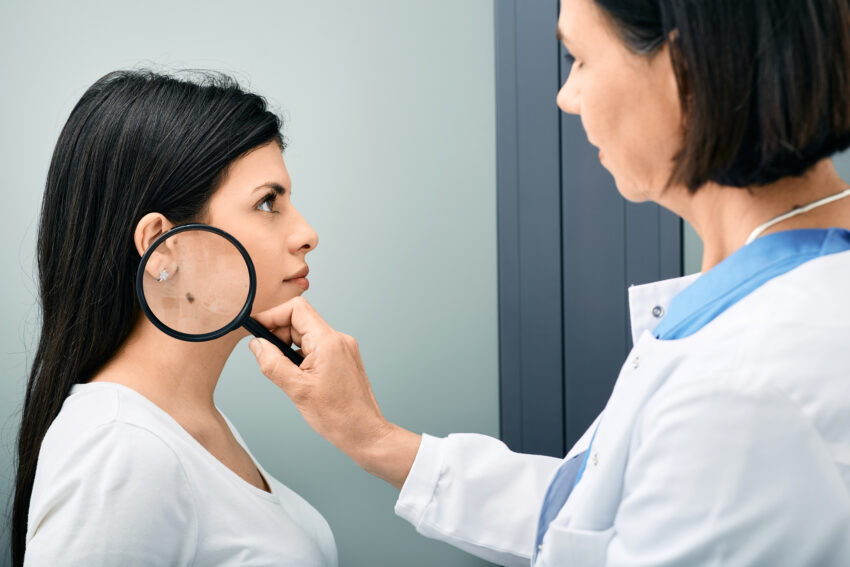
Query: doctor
{"type": "Point", "coordinates": [726, 440]}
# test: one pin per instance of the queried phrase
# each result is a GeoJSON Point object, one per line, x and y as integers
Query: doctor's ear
{"type": "Point", "coordinates": [150, 227]}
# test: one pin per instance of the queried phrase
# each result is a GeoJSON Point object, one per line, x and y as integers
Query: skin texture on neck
{"type": "Point", "coordinates": [724, 217]}
{"type": "Point", "coordinates": [180, 378]}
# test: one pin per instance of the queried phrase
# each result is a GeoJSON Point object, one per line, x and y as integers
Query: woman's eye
{"type": "Point", "coordinates": [266, 204]}
{"type": "Point", "coordinates": [568, 57]}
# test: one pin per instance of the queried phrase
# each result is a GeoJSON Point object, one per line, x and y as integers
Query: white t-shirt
{"type": "Point", "coordinates": [120, 482]}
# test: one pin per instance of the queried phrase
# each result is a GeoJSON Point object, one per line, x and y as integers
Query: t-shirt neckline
{"type": "Point", "coordinates": [272, 496]}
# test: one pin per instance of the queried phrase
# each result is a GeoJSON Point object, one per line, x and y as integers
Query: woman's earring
{"type": "Point", "coordinates": [163, 275]}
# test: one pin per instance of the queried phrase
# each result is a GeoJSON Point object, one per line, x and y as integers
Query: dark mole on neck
{"type": "Point", "coordinates": [190, 297]}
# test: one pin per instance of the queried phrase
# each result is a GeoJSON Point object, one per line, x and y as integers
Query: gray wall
{"type": "Point", "coordinates": [693, 245]}
{"type": "Point", "coordinates": [390, 118]}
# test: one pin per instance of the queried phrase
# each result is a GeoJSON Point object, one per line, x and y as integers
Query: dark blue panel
{"type": "Point", "coordinates": [529, 227]}
{"type": "Point", "coordinates": [510, 394]}
{"type": "Point", "coordinates": [671, 244]}
{"type": "Point", "coordinates": [540, 229]}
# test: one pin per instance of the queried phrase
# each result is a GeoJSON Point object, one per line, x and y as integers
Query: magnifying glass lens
{"type": "Point", "coordinates": [195, 282]}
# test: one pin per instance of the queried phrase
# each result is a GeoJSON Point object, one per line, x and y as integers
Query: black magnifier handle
{"type": "Point", "coordinates": [258, 330]}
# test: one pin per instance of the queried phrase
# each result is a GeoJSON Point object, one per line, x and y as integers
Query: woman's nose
{"type": "Point", "coordinates": [303, 238]}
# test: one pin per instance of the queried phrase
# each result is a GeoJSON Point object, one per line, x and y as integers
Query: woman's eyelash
{"type": "Point", "coordinates": [267, 202]}
{"type": "Point", "coordinates": [569, 57]}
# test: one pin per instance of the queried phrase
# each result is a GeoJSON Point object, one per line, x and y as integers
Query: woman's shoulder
{"type": "Point", "coordinates": [102, 466]}
{"type": "Point", "coordinates": [103, 433]}
{"type": "Point", "coordinates": [110, 413]}
{"type": "Point", "coordinates": [106, 417]}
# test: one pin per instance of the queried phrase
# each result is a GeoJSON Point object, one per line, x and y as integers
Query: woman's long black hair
{"type": "Point", "coordinates": [137, 142]}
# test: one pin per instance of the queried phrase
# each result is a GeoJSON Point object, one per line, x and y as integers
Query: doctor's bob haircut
{"type": "Point", "coordinates": [764, 86]}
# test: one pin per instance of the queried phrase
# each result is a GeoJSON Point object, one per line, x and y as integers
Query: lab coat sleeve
{"type": "Point", "coordinates": [474, 493]}
{"type": "Point", "coordinates": [725, 476]}
{"type": "Point", "coordinates": [117, 496]}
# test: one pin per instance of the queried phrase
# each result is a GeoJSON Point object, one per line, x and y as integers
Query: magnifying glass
{"type": "Point", "coordinates": [197, 283]}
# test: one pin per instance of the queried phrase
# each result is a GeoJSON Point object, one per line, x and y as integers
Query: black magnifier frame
{"type": "Point", "coordinates": [243, 319]}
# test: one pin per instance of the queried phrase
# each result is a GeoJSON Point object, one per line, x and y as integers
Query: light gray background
{"type": "Point", "coordinates": [390, 116]}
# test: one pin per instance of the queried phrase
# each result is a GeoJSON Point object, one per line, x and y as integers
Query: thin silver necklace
{"type": "Point", "coordinates": [757, 232]}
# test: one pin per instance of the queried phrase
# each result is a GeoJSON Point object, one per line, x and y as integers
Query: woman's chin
{"type": "Point", "coordinates": [267, 303]}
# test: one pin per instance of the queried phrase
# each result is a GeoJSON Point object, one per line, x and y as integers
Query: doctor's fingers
{"type": "Point", "coordinates": [294, 318]}
{"type": "Point", "coordinates": [274, 365]}
{"type": "Point", "coordinates": [339, 353]}
{"type": "Point", "coordinates": [330, 388]}
{"type": "Point", "coordinates": [288, 335]}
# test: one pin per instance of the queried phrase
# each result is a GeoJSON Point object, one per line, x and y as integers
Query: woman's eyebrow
{"type": "Point", "coordinates": [278, 188]}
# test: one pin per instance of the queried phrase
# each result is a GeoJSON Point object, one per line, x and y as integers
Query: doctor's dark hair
{"type": "Point", "coordinates": [137, 142]}
{"type": "Point", "coordinates": [763, 85]}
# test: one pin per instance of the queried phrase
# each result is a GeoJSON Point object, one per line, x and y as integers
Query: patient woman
{"type": "Point", "coordinates": [123, 457]}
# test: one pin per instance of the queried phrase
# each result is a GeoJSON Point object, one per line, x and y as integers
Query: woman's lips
{"type": "Point", "coordinates": [300, 278]}
{"type": "Point", "coordinates": [300, 282]}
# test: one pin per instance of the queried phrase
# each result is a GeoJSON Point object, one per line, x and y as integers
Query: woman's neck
{"type": "Point", "coordinates": [725, 216]}
{"type": "Point", "coordinates": [178, 376]}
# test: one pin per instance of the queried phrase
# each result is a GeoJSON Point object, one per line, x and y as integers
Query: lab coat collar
{"type": "Point", "coordinates": [743, 270]}
{"type": "Point", "coordinates": [746, 269]}
{"type": "Point", "coordinates": [648, 303]}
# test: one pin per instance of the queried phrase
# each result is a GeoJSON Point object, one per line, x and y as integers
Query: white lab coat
{"type": "Point", "coordinates": [728, 447]}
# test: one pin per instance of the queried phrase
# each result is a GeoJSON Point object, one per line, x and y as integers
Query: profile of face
{"type": "Point", "coordinates": [628, 103]}
{"type": "Point", "coordinates": [253, 204]}
{"type": "Point", "coordinates": [196, 281]}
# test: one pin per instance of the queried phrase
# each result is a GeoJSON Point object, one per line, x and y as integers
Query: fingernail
{"type": "Point", "coordinates": [255, 346]}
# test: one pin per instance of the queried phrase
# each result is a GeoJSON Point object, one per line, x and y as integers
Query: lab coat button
{"type": "Point", "coordinates": [636, 362]}
{"type": "Point", "coordinates": [595, 459]}
{"type": "Point", "coordinates": [658, 312]}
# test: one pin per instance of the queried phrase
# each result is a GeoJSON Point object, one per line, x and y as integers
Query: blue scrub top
{"type": "Point", "coordinates": [744, 271]}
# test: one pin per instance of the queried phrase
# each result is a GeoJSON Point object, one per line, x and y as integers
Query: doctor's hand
{"type": "Point", "coordinates": [332, 391]}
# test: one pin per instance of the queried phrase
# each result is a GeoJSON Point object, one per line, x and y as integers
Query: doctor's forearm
{"type": "Point", "coordinates": [390, 455]}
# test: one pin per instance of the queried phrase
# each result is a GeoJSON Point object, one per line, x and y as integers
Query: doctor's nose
{"type": "Point", "coordinates": [568, 99]}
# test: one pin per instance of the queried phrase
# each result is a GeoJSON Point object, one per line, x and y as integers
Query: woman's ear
{"type": "Point", "coordinates": [150, 227]}
{"type": "Point", "coordinates": [160, 265]}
